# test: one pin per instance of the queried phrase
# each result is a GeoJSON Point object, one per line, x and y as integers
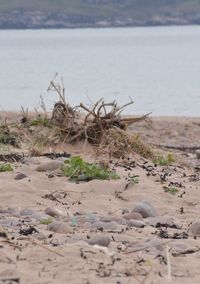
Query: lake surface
{"type": "Point", "coordinates": [159, 68]}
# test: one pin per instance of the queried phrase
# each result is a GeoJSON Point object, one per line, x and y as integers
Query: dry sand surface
{"type": "Point", "coordinates": [56, 231]}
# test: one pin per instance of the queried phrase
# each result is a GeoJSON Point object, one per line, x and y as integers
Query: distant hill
{"type": "Point", "coordinates": [97, 13]}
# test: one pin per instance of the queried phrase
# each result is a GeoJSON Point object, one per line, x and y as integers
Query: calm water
{"type": "Point", "coordinates": [158, 67]}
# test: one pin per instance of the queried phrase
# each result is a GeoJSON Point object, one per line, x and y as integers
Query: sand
{"type": "Point", "coordinates": [134, 255]}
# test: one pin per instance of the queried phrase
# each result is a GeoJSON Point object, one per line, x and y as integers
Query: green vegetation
{"type": "Point", "coordinates": [41, 121]}
{"type": "Point", "coordinates": [8, 138]}
{"type": "Point", "coordinates": [164, 161]}
{"type": "Point", "coordinates": [46, 221]}
{"type": "Point", "coordinates": [5, 168]}
{"type": "Point", "coordinates": [78, 170]}
{"type": "Point", "coordinates": [171, 190]}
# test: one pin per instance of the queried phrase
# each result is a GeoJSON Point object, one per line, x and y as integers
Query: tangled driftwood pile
{"type": "Point", "coordinates": [101, 125]}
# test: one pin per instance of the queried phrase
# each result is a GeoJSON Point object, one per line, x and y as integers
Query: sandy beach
{"type": "Point", "coordinates": [141, 228]}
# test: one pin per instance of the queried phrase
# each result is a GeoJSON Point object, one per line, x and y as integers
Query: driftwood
{"type": "Point", "coordinates": [97, 124]}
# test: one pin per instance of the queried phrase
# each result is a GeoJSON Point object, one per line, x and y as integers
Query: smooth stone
{"type": "Point", "coordinates": [108, 219]}
{"type": "Point", "coordinates": [31, 161]}
{"type": "Point", "coordinates": [102, 225]}
{"type": "Point", "coordinates": [40, 216]}
{"type": "Point", "coordinates": [194, 229]}
{"type": "Point", "coordinates": [26, 212]}
{"type": "Point", "coordinates": [133, 215]}
{"type": "Point", "coordinates": [60, 227]}
{"type": "Point", "coordinates": [150, 244]}
{"type": "Point", "coordinates": [53, 212]}
{"type": "Point", "coordinates": [74, 239]}
{"type": "Point", "coordinates": [178, 248]}
{"type": "Point", "coordinates": [145, 208]}
{"type": "Point", "coordinates": [135, 223]}
{"type": "Point", "coordinates": [100, 240]}
{"type": "Point", "coordinates": [49, 166]}
{"type": "Point", "coordinates": [9, 211]}
{"type": "Point", "coordinates": [162, 220]}
{"type": "Point", "coordinates": [20, 176]}
{"type": "Point", "coordinates": [9, 223]}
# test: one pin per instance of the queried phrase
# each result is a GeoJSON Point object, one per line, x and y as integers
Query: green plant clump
{"type": "Point", "coordinates": [5, 168]}
{"type": "Point", "coordinates": [46, 221]}
{"type": "Point", "coordinates": [78, 170]}
{"type": "Point", "coordinates": [41, 121]}
{"type": "Point", "coordinates": [164, 161]}
{"type": "Point", "coordinates": [171, 190]}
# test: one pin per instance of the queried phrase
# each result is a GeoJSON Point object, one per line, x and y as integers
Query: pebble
{"type": "Point", "coordinates": [20, 176]}
{"type": "Point", "coordinates": [151, 244]}
{"type": "Point", "coordinates": [59, 227]}
{"type": "Point", "coordinates": [178, 248]}
{"type": "Point", "coordinates": [102, 225]}
{"type": "Point", "coordinates": [31, 160]}
{"type": "Point", "coordinates": [133, 215]}
{"type": "Point", "coordinates": [108, 219]}
{"type": "Point", "coordinates": [135, 223]}
{"type": "Point", "coordinates": [194, 229]}
{"type": "Point", "coordinates": [54, 212]}
{"type": "Point", "coordinates": [101, 240]}
{"type": "Point", "coordinates": [145, 208]}
{"type": "Point", "coordinates": [26, 212]}
{"type": "Point", "coordinates": [40, 216]}
{"type": "Point", "coordinates": [162, 221]}
{"type": "Point", "coordinates": [9, 211]}
{"type": "Point", "coordinates": [49, 166]}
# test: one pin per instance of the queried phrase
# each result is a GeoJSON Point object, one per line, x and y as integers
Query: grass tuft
{"type": "Point", "coordinates": [5, 168]}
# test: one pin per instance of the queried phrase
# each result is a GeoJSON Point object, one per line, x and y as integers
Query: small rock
{"type": "Point", "coordinates": [108, 219]}
{"type": "Point", "coordinates": [20, 176]}
{"type": "Point", "coordinates": [135, 223]}
{"type": "Point", "coordinates": [162, 221]}
{"type": "Point", "coordinates": [26, 212]}
{"type": "Point", "coordinates": [145, 208]}
{"type": "Point", "coordinates": [133, 215]}
{"type": "Point", "coordinates": [53, 212]}
{"type": "Point", "coordinates": [112, 226]}
{"type": "Point", "coordinates": [49, 166]}
{"type": "Point", "coordinates": [100, 240]}
{"type": "Point", "coordinates": [9, 211]}
{"type": "Point", "coordinates": [59, 227]}
{"type": "Point", "coordinates": [40, 216]}
{"type": "Point", "coordinates": [194, 229]}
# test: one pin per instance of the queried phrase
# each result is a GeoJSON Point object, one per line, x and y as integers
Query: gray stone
{"type": "Point", "coordinates": [20, 176]}
{"type": "Point", "coordinates": [135, 223]}
{"type": "Point", "coordinates": [60, 227]}
{"type": "Point", "coordinates": [49, 166]}
{"type": "Point", "coordinates": [101, 240]}
{"type": "Point", "coordinates": [53, 212]}
{"type": "Point", "coordinates": [162, 221]}
{"type": "Point", "coordinates": [108, 219]}
{"type": "Point", "coordinates": [39, 216]}
{"type": "Point", "coordinates": [194, 229]}
{"type": "Point", "coordinates": [133, 215]}
{"type": "Point", "coordinates": [102, 225]}
{"type": "Point", "coordinates": [145, 208]}
{"type": "Point", "coordinates": [26, 212]}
